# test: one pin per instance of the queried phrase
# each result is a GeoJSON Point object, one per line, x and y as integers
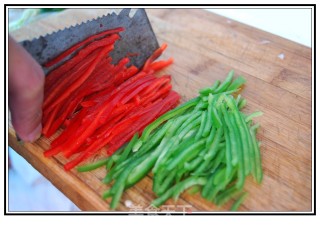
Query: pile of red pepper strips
{"type": "Point", "coordinates": [101, 105]}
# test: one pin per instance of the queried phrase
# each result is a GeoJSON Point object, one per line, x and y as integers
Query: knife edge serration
{"type": "Point", "coordinates": [137, 30]}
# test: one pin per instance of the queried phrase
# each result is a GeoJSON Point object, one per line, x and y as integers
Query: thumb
{"type": "Point", "coordinates": [26, 83]}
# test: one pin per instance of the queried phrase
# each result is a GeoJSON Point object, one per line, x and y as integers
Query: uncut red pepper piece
{"type": "Point", "coordinates": [82, 43]}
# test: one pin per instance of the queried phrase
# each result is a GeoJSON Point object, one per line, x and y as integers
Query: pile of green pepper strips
{"type": "Point", "coordinates": [206, 143]}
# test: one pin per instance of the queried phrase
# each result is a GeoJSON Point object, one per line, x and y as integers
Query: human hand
{"type": "Point", "coordinates": [26, 83]}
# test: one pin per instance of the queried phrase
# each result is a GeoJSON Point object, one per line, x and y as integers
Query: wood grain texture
{"type": "Point", "coordinates": [205, 47]}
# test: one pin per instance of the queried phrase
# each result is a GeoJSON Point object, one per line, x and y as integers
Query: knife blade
{"type": "Point", "coordinates": [137, 38]}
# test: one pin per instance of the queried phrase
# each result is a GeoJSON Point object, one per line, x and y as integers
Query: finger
{"type": "Point", "coordinates": [26, 82]}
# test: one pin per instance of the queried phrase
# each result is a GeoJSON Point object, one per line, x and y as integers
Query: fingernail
{"type": "Point", "coordinates": [19, 139]}
{"type": "Point", "coordinates": [35, 134]}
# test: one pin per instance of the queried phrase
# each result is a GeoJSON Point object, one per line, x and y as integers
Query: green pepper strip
{"type": "Point", "coordinates": [190, 166]}
{"type": "Point", "coordinates": [237, 83]}
{"type": "Point", "coordinates": [177, 111]}
{"type": "Point", "coordinates": [158, 187]}
{"type": "Point", "coordinates": [202, 125]}
{"type": "Point", "coordinates": [163, 198]}
{"type": "Point", "coordinates": [187, 183]}
{"type": "Point", "coordinates": [253, 115]}
{"type": "Point", "coordinates": [238, 202]}
{"type": "Point", "coordinates": [241, 128]}
{"type": "Point", "coordinates": [258, 174]}
{"type": "Point", "coordinates": [189, 127]}
{"type": "Point", "coordinates": [206, 91]}
{"type": "Point", "coordinates": [186, 153]}
{"type": "Point", "coordinates": [233, 155]}
{"type": "Point", "coordinates": [226, 195]}
{"type": "Point", "coordinates": [144, 167]}
{"type": "Point", "coordinates": [159, 161]}
{"type": "Point", "coordinates": [177, 189]}
{"type": "Point", "coordinates": [154, 139]}
{"type": "Point", "coordinates": [208, 186]}
{"type": "Point", "coordinates": [98, 164]}
{"type": "Point", "coordinates": [211, 152]}
{"type": "Point", "coordinates": [208, 125]}
{"type": "Point", "coordinates": [219, 183]}
{"type": "Point", "coordinates": [95, 165]}
{"type": "Point", "coordinates": [120, 184]}
{"type": "Point", "coordinates": [128, 149]}
{"type": "Point", "coordinates": [192, 116]}
{"type": "Point", "coordinates": [226, 83]}
{"type": "Point", "coordinates": [210, 138]}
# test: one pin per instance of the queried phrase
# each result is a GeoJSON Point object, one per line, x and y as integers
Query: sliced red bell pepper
{"type": "Point", "coordinates": [153, 57]}
{"type": "Point", "coordinates": [80, 80]}
{"type": "Point", "coordinates": [156, 66]}
{"type": "Point", "coordinates": [81, 56]}
{"type": "Point", "coordinates": [80, 44]}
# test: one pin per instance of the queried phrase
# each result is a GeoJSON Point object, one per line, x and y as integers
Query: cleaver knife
{"type": "Point", "coordinates": [137, 38]}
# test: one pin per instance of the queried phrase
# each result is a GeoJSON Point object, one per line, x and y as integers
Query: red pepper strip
{"type": "Point", "coordinates": [66, 123]}
{"type": "Point", "coordinates": [115, 80]}
{"type": "Point", "coordinates": [82, 43]}
{"type": "Point", "coordinates": [63, 143]}
{"type": "Point", "coordinates": [49, 121]}
{"type": "Point", "coordinates": [156, 110]}
{"type": "Point", "coordinates": [127, 115]}
{"type": "Point", "coordinates": [129, 127]}
{"type": "Point", "coordinates": [121, 91]}
{"type": "Point", "coordinates": [102, 100]}
{"type": "Point", "coordinates": [52, 90]}
{"type": "Point", "coordinates": [62, 137]}
{"type": "Point", "coordinates": [114, 119]}
{"type": "Point", "coordinates": [137, 100]}
{"type": "Point", "coordinates": [160, 93]}
{"type": "Point", "coordinates": [132, 70]}
{"type": "Point", "coordinates": [69, 79]}
{"type": "Point", "coordinates": [80, 80]}
{"type": "Point", "coordinates": [107, 74]}
{"type": "Point", "coordinates": [156, 66]}
{"type": "Point", "coordinates": [91, 150]}
{"type": "Point", "coordinates": [74, 129]}
{"type": "Point", "coordinates": [92, 85]}
{"type": "Point", "coordinates": [71, 164]}
{"type": "Point", "coordinates": [80, 57]}
{"type": "Point", "coordinates": [128, 124]}
{"type": "Point", "coordinates": [153, 57]}
{"type": "Point", "coordinates": [86, 104]}
{"type": "Point", "coordinates": [90, 126]}
{"type": "Point", "coordinates": [70, 130]}
{"type": "Point", "coordinates": [106, 108]}
{"type": "Point", "coordinates": [98, 144]}
{"type": "Point", "coordinates": [175, 98]}
{"type": "Point", "coordinates": [103, 67]}
{"type": "Point", "coordinates": [134, 92]}
{"type": "Point", "coordinates": [156, 85]}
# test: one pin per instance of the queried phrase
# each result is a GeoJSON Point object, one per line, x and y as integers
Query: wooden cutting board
{"type": "Point", "coordinates": [205, 47]}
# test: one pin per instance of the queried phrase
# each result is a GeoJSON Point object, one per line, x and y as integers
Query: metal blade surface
{"type": "Point", "coordinates": [138, 38]}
